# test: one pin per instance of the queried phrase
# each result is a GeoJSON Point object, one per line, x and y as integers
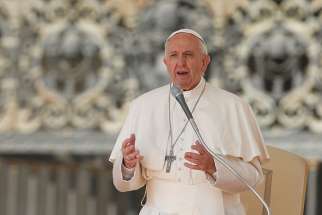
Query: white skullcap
{"type": "Point", "coordinates": [188, 31]}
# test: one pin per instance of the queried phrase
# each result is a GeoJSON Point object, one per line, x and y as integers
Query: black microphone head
{"type": "Point", "coordinates": [178, 95]}
{"type": "Point", "coordinates": [176, 91]}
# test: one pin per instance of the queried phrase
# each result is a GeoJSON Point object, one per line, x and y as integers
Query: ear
{"type": "Point", "coordinates": [205, 62]}
{"type": "Point", "coordinates": [165, 61]}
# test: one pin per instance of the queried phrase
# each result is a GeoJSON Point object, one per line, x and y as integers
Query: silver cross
{"type": "Point", "coordinates": [169, 159]}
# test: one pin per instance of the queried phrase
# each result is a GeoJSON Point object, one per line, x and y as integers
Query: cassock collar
{"type": "Point", "coordinates": [190, 94]}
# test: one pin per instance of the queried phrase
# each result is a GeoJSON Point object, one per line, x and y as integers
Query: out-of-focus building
{"type": "Point", "coordinates": [69, 68]}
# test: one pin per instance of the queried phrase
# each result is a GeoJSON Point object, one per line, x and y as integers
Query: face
{"type": "Point", "coordinates": [185, 60]}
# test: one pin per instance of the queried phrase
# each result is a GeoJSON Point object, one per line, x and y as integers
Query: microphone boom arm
{"type": "Point", "coordinates": [220, 159]}
{"type": "Point", "coordinates": [177, 93]}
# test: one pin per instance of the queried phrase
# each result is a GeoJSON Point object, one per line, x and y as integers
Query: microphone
{"type": "Point", "coordinates": [178, 95]}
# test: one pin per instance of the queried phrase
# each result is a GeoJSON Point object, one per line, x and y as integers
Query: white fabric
{"type": "Point", "coordinates": [187, 31]}
{"type": "Point", "coordinates": [227, 125]}
{"type": "Point", "coordinates": [162, 196]}
{"type": "Point", "coordinates": [127, 173]}
{"type": "Point", "coordinates": [228, 184]}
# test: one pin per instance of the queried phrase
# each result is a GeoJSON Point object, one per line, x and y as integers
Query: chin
{"type": "Point", "coordinates": [183, 85]}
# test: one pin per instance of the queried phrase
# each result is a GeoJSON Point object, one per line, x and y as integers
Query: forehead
{"type": "Point", "coordinates": [185, 40]}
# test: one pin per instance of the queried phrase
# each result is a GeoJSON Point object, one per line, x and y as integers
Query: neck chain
{"type": "Point", "coordinates": [169, 158]}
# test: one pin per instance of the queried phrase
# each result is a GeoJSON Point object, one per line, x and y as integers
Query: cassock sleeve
{"type": "Point", "coordinates": [137, 181]}
{"type": "Point", "coordinates": [226, 181]}
{"type": "Point", "coordinates": [123, 185]}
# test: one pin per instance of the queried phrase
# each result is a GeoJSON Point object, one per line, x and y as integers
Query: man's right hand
{"type": "Point", "coordinates": [130, 155]}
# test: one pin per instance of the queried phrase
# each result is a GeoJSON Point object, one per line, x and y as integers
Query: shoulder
{"type": "Point", "coordinates": [224, 97]}
{"type": "Point", "coordinates": [152, 97]}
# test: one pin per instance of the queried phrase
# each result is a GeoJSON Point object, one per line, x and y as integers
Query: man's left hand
{"type": "Point", "coordinates": [201, 160]}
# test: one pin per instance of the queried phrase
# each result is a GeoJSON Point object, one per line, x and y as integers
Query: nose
{"type": "Point", "coordinates": [182, 61]}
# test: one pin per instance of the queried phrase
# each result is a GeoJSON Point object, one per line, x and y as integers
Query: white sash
{"type": "Point", "coordinates": [172, 198]}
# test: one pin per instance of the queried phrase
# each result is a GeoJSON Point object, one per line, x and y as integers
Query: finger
{"type": "Point", "coordinates": [130, 164]}
{"type": "Point", "coordinates": [135, 160]}
{"type": "Point", "coordinates": [192, 166]}
{"type": "Point", "coordinates": [132, 138]}
{"type": "Point", "coordinates": [194, 161]}
{"type": "Point", "coordinates": [129, 149]}
{"type": "Point", "coordinates": [199, 148]}
{"type": "Point", "coordinates": [129, 141]}
{"type": "Point", "coordinates": [192, 155]}
{"type": "Point", "coordinates": [131, 156]}
{"type": "Point", "coordinates": [126, 143]}
{"type": "Point", "coordinates": [138, 156]}
{"type": "Point", "coordinates": [199, 166]}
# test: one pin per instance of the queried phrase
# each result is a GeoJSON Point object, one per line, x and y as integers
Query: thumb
{"type": "Point", "coordinates": [132, 138]}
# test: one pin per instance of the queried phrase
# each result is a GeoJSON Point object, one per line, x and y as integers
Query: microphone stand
{"type": "Point", "coordinates": [177, 93]}
{"type": "Point", "coordinates": [220, 159]}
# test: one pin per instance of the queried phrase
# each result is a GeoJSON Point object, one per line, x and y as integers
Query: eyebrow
{"type": "Point", "coordinates": [185, 52]}
{"type": "Point", "coordinates": [172, 52]}
{"type": "Point", "coordinates": [188, 52]}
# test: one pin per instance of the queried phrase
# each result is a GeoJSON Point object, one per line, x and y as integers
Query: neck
{"type": "Point", "coordinates": [192, 87]}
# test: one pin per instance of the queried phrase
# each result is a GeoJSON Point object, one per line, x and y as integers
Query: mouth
{"type": "Point", "coordinates": [182, 73]}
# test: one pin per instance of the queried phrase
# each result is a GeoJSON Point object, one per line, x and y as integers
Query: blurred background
{"type": "Point", "coordinates": [69, 68]}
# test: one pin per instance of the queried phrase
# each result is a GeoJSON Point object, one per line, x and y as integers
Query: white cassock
{"type": "Point", "coordinates": [227, 125]}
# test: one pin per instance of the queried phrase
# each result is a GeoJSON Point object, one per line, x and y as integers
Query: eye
{"type": "Point", "coordinates": [188, 54]}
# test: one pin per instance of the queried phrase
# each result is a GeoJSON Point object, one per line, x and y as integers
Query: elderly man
{"type": "Point", "coordinates": [158, 148]}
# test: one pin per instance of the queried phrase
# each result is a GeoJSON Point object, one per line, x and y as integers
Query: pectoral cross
{"type": "Point", "coordinates": [169, 159]}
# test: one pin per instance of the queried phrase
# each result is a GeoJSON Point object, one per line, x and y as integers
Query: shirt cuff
{"type": "Point", "coordinates": [127, 173]}
{"type": "Point", "coordinates": [212, 178]}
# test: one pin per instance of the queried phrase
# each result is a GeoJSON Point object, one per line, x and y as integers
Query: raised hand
{"type": "Point", "coordinates": [201, 160]}
{"type": "Point", "coordinates": [130, 155]}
